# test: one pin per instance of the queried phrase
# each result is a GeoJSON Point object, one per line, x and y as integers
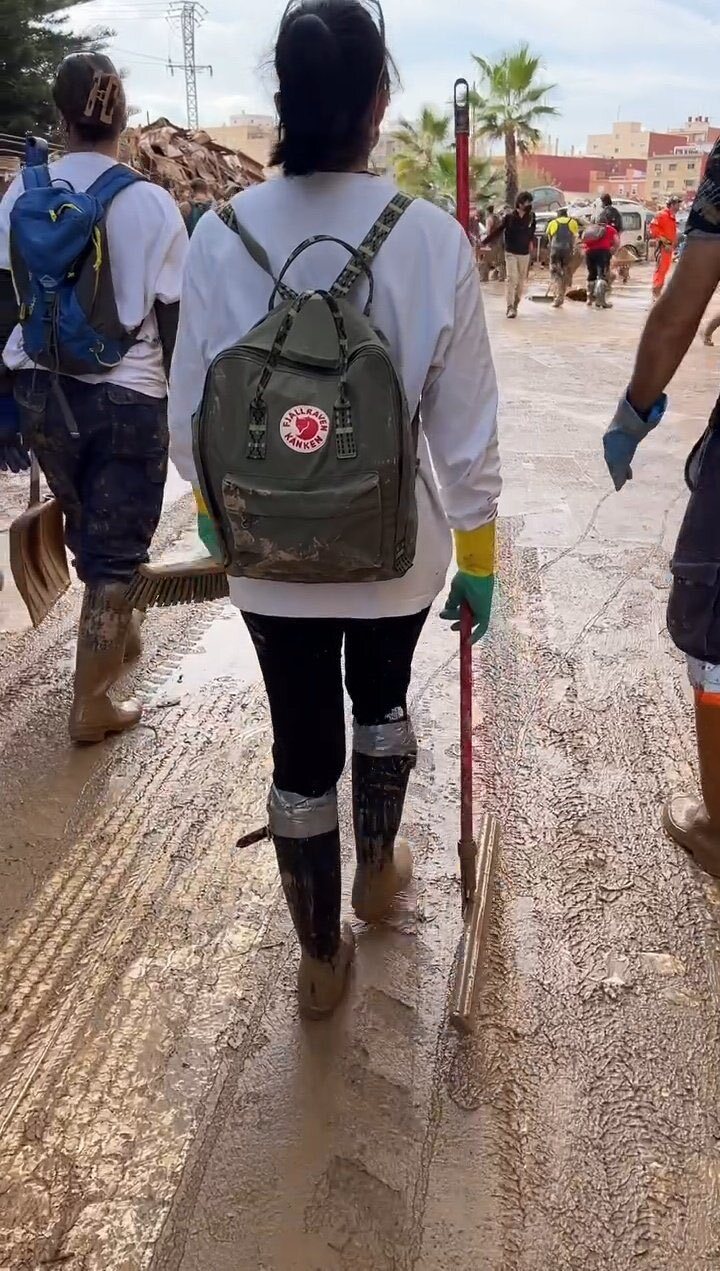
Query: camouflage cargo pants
{"type": "Point", "coordinates": [109, 480]}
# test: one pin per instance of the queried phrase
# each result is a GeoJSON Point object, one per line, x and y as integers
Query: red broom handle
{"type": "Point", "coordinates": [462, 153]}
{"type": "Point", "coordinates": [467, 830]}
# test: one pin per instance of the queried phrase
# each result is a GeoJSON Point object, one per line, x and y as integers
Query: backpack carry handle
{"type": "Point", "coordinates": [327, 238]}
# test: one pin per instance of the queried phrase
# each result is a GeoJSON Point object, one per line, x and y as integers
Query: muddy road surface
{"type": "Point", "coordinates": [161, 1105]}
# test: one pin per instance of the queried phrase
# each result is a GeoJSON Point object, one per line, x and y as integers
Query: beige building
{"type": "Point", "coordinates": [254, 135]}
{"type": "Point", "coordinates": [678, 173]}
{"type": "Point", "coordinates": [626, 141]}
{"type": "Point", "coordinates": [699, 131]}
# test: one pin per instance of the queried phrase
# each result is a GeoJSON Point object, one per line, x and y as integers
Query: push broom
{"type": "Point", "coordinates": [478, 854]}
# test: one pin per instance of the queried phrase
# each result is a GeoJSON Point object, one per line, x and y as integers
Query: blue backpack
{"type": "Point", "coordinates": [61, 268]}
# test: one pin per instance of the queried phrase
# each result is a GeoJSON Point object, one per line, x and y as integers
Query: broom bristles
{"type": "Point", "coordinates": [178, 583]}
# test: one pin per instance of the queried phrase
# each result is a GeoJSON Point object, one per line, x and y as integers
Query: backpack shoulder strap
{"type": "Point", "coordinates": [253, 248]}
{"type": "Point", "coordinates": [371, 244]}
{"type": "Point", "coordinates": [36, 176]}
{"type": "Point", "coordinates": [111, 182]}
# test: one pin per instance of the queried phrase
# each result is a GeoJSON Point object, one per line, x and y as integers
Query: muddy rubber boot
{"type": "Point", "coordinates": [133, 639]}
{"type": "Point", "coordinates": [383, 758]}
{"type": "Point", "coordinates": [590, 295]}
{"type": "Point", "coordinates": [691, 821]}
{"type": "Point", "coordinates": [601, 299]}
{"type": "Point", "coordinates": [102, 634]}
{"type": "Point", "coordinates": [307, 846]}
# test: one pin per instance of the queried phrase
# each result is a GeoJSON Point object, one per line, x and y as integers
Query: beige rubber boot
{"type": "Point", "coordinates": [133, 639]}
{"type": "Point", "coordinates": [102, 635]}
{"type": "Point", "coordinates": [321, 984]}
{"type": "Point", "coordinates": [691, 821]}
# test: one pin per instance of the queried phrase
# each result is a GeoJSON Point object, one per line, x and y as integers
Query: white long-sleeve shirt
{"type": "Point", "coordinates": [427, 304]}
{"type": "Point", "coordinates": [147, 242]}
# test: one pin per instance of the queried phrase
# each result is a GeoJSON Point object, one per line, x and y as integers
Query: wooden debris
{"type": "Point", "coordinates": [173, 157]}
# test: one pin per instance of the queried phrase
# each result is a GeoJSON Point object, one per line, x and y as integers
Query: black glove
{"type": "Point", "coordinates": [13, 455]}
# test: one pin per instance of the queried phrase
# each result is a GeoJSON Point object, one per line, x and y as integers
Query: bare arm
{"type": "Point", "coordinates": [674, 320]}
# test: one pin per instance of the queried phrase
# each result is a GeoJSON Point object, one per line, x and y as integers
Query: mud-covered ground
{"type": "Point", "coordinates": [161, 1105]}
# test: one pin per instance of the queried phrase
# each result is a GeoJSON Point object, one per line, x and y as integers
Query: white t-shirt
{"type": "Point", "coordinates": [428, 305]}
{"type": "Point", "coordinates": [147, 241]}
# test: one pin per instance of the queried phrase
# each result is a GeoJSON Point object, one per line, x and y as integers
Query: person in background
{"type": "Point", "coordinates": [333, 69]}
{"type": "Point", "coordinates": [101, 438]}
{"type": "Point", "coordinates": [692, 820]}
{"type": "Point", "coordinates": [200, 202]}
{"type": "Point", "coordinates": [664, 232]}
{"type": "Point", "coordinates": [518, 233]}
{"type": "Point", "coordinates": [610, 213]}
{"type": "Point", "coordinates": [600, 240]}
{"type": "Point", "coordinates": [563, 233]}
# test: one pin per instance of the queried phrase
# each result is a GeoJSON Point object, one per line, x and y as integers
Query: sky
{"type": "Point", "coordinates": [652, 60]}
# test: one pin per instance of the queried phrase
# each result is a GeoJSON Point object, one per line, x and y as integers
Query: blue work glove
{"type": "Point", "coordinates": [474, 582]}
{"type": "Point", "coordinates": [624, 435]}
{"type": "Point", "coordinates": [13, 455]}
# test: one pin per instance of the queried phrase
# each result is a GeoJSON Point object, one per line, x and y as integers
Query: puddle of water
{"type": "Point", "coordinates": [226, 653]}
{"type": "Point", "coordinates": [13, 614]}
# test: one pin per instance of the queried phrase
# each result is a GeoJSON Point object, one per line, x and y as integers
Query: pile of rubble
{"type": "Point", "coordinates": [173, 157]}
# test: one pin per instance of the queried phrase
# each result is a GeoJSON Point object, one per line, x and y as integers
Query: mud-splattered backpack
{"type": "Point", "coordinates": [304, 444]}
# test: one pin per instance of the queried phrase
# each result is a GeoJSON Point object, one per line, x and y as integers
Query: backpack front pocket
{"type": "Point", "coordinates": [305, 536]}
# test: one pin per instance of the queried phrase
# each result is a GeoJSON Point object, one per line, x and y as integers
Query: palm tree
{"type": "Point", "coordinates": [426, 166]}
{"type": "Point", "coordinates": [509, 105]}
{"type": "Point", "coordinates": [421, 142]}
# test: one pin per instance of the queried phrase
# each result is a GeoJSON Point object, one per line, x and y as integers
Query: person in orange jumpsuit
{"type": "Point", "coordinates": [663, 229]}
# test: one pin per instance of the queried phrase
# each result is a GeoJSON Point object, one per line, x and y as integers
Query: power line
{"type": "Point", "coordinates": [146, 57]}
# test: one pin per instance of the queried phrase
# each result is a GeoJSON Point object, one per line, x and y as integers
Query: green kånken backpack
{"type": "Point", "coordinates": [304, 446]}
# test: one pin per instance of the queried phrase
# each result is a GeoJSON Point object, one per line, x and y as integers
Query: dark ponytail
{"type": "Point", "coordinates": [331, 63]}
{"type": "Point", "coordinates": [89, 95]}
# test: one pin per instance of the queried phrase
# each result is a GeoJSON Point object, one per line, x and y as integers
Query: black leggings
{"type": "Point", "coordinates": [301, 664]}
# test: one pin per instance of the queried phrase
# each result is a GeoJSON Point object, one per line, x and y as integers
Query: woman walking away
{"type": "Point", "coordinates": [308, 455]}
{"type": "Point", "coordinates": [97, 255]}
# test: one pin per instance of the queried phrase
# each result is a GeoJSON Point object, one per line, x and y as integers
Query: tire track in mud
{"type": "Point", "coordinates": [85, 946]}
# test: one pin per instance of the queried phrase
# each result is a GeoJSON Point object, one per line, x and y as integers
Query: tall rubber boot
{"type": "Point", "coordinates": [590, 294]}
{"type": "Point", "coordinates": [601, 290]}
{"type": "Point", "coordinates": [384, 755]}
{"type": "Point", "coordinates": [694, 822]}
{"type": "Point", "coordinates": [307, 845]}
{"type": "Point", "coordinates": [102, 634]}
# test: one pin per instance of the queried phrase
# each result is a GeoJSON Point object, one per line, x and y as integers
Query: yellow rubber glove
{"type": "Point", "coordinates": [206, 529]}
{"type": "Point", "coordinates": [474, 582]}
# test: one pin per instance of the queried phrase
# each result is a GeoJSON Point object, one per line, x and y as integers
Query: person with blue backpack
{"type": "Point", "coordinates": [91, 260]}
{"type": "Point", "coordinates": [333, 401]}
